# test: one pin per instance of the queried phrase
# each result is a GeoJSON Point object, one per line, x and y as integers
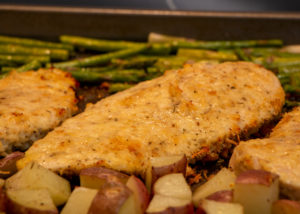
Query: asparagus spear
{"type": "Point", "coordinates": [7, 69]}
{"type": "Point", "coordinates": [21, 59]}
{"type": "Point", "coordinates": [116, 87]}
{"type": "Point", "coordinates": [98, 44]}
{"type": "Point", "coordinates": [99, 59]}
{"type": "Point", "coordinates": [134, 62]}
{"type": "Point", "coordinates": [34, 43]}
{"type": "Point", "coordinates": [120, 76]}
{"type": "Point", "coordinates": [289, 69]}
{"type": "Point", "coordinates": [290, 82]}
{"type": "Point", "coordinates": [206, 54]}
{"type": "Point", "coordinates": [59, 54]}
{"type": "Point", "coordinates": [275, 62]}
{"type": "Point", "coordinates": [214, 45]}
{"type": "Point", "coordinates": [242, 55]}
{"type": "Point", "coordinates": [156, 37]}
{"type": "Point", "coordinates": [92, 69]}
{"type": "Point", "coordinates": [109, 45]}
{"type": "Point", "coordinates": [33, 65]}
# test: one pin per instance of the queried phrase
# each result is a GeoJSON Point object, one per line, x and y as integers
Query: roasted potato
{"type": "Point", "coordinates": [141, 195]}
{"type": "Point", "coordinates": [35, 201]}
{"type": "Point", "coordinates": [216, 207]}
{"type": "Point", "coordinates": [284, 206]}
{"type": "Point", "coordinates": [80, 201]}
{"type": "Point", "coordinates": [161, 204]}
{"type": "Point", "coordinates": [256, 190]}
{"type": "Point", "coordinates": [8, 164]}
{"type": "Point", "coordinates": [96, 177]}
{"type": "Point", "coordinates": [223, 180]}
{"type": "Point", "coordinates": [34, 176]}
{"type": "Point", "coordinates": [161, 166]}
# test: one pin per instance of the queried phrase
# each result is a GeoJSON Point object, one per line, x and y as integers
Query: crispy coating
{"type": "Point", "coordinates": [280, 154]}
{"type": "Point", "coordinates": [194, 110]}
{"type": "Point", "coordinates": [31, 104]}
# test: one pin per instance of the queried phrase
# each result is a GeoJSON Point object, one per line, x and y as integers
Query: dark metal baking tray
{"type": "Point", "coordinates": [49, 22]}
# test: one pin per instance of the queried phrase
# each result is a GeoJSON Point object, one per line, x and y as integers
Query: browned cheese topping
{"type": "Point", "coordinates": [195, 110]}
{"type": "Point", "coordinates": [31, 104]}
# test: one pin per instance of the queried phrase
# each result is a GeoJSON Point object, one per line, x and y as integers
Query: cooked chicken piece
{"type": "Point", "coordinates": [197, 111]}
{"type": "Point", "coordinates": [31, 104]}
{"type": "Point", "coordinates": [280, 154]}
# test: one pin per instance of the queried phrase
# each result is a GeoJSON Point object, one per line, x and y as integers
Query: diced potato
{"type": "Point", "coordinates": [80, 201]}
{"type": "Point", "coordinates": [161, 203]}
{"type": "Point", "coordinates": [221, 196]}
{"type": "Point", "coordinates": [113, 199]}
{"type": "Point", "coordinates": [8, 164]}
{"type": "Point", "coordinates": [36, 201]}
{"type": "Point", "coordinates": [256, 190]}
{"type": "Point", "coordinates": [216, 207]}
{"type": "Point", "coordinates": [96, 177]}
{"type": "Point", "coordinates": [160, 166]}
{"type": "Point", "coordinates": [284, 206]}
{"type": "Point", "coordinates": [223, 180]}
{"type": "Point", "coordinates": [34, 176]}
{"type": "Point", "coordinates": [141, 195]}
{"type": "Point", "coordinates": [173, 185]}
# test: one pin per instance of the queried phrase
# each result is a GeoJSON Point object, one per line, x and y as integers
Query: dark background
{"type": "Point", "coordinates": [196, 5]}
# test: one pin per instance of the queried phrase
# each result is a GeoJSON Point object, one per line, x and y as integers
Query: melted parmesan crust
{"type": "Point", "coordinates": [31, 104]}
{"type": "Point", "coordinates": [280, 154]}
{"type": "Point", "coordinates": [194, 111]}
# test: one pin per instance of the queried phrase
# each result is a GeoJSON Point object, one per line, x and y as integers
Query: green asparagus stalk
{"type": "Point", "coordinates": [21, 59]}
{"type": "Point", "coordinates": [7, 69]}
{"type": "Point", "coordinates": [291, 103]}
{"type": "Point", "coordinates": [242, 55]}
{"type": "Point", "coordinates": [290, 82]}
{"type": "Point", "coordinates": [134, 62]}
{"type": "Point", "coordinates": [98, 44]}
{"type": "Point", "coordinates": [156, 37]}
{"type": "Point", "coordinates": [113, 76]}
{"type": "Point", "coordinates": [116, 87]}
{"type": "Point", "coordinates": [272, 62]}
{"type": "Point", "coordinates": [289, 69]}
{"type": "Point", "coordinates": [57, 54]}
{"type": "Point", "coordinates": [99, 59]}
{"type": "Point", "coordinates": [214, 45]}
{"type": "Point", "coordinates": [206, 54]}
{"type": "Point", "coordinates": [34, 43]}
{"type": "Point", "coordinates": [33, 65]}
{"type": "Point", "coordinates": [110, 45]}
{"type": "Point", "coordinates": [92, 69]}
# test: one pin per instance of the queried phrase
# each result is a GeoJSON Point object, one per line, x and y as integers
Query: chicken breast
{"type": "Point", "coordinates": [195, 110]}
{"type": "Point", "coordinates": [280, 154]}
{"type": "Point", "coordinates": [31, 104]}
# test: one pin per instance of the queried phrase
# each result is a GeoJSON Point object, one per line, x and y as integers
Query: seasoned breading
{"type": "Point", "coordinates": [31, 104]}
{"type": "Point", "coordinates": [194, 110]}
{"type": "Point", "coordinates": [280, 154]}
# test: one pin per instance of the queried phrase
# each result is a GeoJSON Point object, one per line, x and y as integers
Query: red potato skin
{"type": "Point", "coordinates": [187, 209]}
{"type": "Point", "coordinates": [109, 199]}
{"type": "Point", "coordinates": [143, 192]}
{"type": "Point", "coordinates": [221, 196]}
{"type": "Point", "coordinates": [200, 210]}
{"type": "Point", "coordinates": [15, 208]}
{"type": "Point", "coordinates": [178, 167]}
{"type": "Point", "coordinates": [3, 200]}
{"type": "Point", "coordinates": [104, 173]}
{"type": "Point", "coordinates": [8, 164]}
{"type": "Point", "coordinates": [285, 206]}
{"type": "Point", "coordinates": [256, 177]}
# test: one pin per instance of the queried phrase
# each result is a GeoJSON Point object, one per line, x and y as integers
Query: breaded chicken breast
{"type": "Point", "coordinates": [31, 104]}
{"type": "Point", "coordinates": [196, 110]}
{"type": "Point", "coordinates": [280, 154]}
